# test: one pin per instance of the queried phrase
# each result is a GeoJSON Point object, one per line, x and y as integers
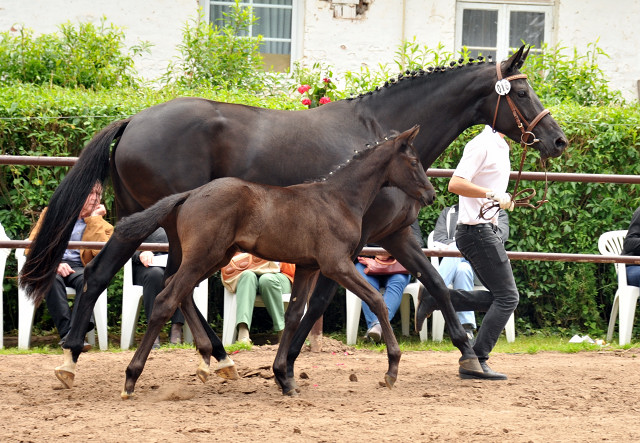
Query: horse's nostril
{"type": "Point", "coordinates": [561, 142]}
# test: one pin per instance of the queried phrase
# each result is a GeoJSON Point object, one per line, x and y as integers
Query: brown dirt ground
{"type": "Point", "coordinates": [587, 396]}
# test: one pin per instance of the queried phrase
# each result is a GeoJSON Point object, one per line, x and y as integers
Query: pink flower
{"type": "Point", "coordinates": [306, 101]}
{"type": "Point", "coordinates": [324, 100]}
{"type": "Point", "coordinates": [304, 88]}
{"type": "Point", "coordinates": [326, 80]}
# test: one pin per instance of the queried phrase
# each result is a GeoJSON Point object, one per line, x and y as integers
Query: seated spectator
{"type": "Point", "coordinates": [270, 286]}
{"type": "Point", "coordinates": [90, 226]}
{"type": "Point", "coordinates": [457, 271]}
{"type": "Point", "coordinates": [394, 285]}
{"type": "Point", "coordinates": [150, 276]}
{"type": "Point", "coordinates": [631, 246]}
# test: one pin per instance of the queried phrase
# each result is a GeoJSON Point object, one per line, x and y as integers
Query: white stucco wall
{"type": "Point", "coordinates": [158, 21]}
{"type": "Point", "coordinates": [375, 36]}
{"type": "Point", "coordinates": [614, 25]}
{"type": "Point", "coordinates": [348, 43]}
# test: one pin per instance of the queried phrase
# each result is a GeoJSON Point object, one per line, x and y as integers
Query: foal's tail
{"type": "Point", "coordinates": [63, 210]}
{"type": "Point", "coordinates": [138, 226]}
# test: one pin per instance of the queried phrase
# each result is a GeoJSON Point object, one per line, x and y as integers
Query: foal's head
{"type": "Point", "coordinates": [405, 170]}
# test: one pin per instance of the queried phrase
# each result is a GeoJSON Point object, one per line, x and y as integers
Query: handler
{"type": "Point", "coordinates": [481, 180]}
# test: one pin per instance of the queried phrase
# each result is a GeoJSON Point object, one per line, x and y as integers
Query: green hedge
{"type": "Point", "coordinates": [58, 122]}
{"type": "Point", "coordinates": [568, 297]}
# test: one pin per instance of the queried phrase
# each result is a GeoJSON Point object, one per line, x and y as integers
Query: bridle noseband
{"type": "Point", "coordinates": [527, 138]}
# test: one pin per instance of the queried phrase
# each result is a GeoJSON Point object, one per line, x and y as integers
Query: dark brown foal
{"type": "Point", "coordinates": [315, 225]}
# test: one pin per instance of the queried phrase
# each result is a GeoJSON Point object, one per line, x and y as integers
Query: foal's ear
{"type": "Point", "coordinates": [408, 135]}
{"type": "Point", "coordinates": [516, 61]}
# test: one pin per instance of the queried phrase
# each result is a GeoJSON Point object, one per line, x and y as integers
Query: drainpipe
{"type": "Point", "coordinates": [402, 30]}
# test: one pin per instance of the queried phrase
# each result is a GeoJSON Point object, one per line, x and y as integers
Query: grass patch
{"type": "Point", "coordinates": [531, 344]}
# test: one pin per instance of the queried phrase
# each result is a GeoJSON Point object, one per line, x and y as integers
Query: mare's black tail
{"type": "Point", "coordinates": [64, 208]}
{"type": "Point", "coordinates": [136, 227]}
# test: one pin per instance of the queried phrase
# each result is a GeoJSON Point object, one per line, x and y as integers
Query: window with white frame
{"type": "Point", "coordinates": [278, 23]}
{"type": "Point", "coordinates": [496, 27]}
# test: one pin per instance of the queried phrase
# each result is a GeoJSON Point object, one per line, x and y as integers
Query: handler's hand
{"type": "Point", "coordinates": [64, 270]}
{"type": "Point", "coordinates": [503, 199]}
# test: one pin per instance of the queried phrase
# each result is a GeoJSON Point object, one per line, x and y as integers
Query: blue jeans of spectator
{"type": "Point", "coordinates": [457, 272]}
{"type": "Point", "coordinates": [483, 248]}
{"type": "Point", "coordinates": [394, 285]}
{"type": "Point", "coordinates": [633, 275]}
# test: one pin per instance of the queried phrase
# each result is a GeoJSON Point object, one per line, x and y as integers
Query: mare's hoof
{"type": "Point", "coordinates": [203, 373]}
{"type": "Point", "coordinates": [293, 392]}
{"type": "Point", "coordinates": [65, 376]}
{"type": "Point", "coordinates": [126, 395]}
{"type": "Point", "coordinates": [470, 364]}
{"type": "Point", "coordinates": [227, 369]}
{"type": "Point", "coordinates": [389, 381]}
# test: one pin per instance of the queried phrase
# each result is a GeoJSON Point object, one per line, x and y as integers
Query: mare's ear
{"type": "Point", "coordinates": [516, 61]}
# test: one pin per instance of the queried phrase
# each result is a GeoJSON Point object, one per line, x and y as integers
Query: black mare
{"type": "Point", "coordinates": [184, 143]}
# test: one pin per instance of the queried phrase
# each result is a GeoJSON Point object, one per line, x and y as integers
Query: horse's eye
{"type": "Point", "coordinates": [522, 94]}
{"type": "Point", "coordinates": [414, 163]}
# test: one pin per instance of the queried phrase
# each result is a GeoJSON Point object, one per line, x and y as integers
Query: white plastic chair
{"type": "Point", "coordinates": [624, 303]}
{"type": "Point", "coordinates": [132, 300]}
{"type": "Point", "coordinates": [4, 253]}
{"type": "Point", "coordinates": [229, 331]}
{"type": "Point", "coordinates": [26, 312]}
{"type": "Point", "coordinates": [354, 306]}
{"type": "Point", "coordinates": [437, 324]}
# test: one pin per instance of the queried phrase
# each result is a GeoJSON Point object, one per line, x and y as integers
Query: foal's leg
{"type": "Point", "coordinates": [225, 367]}
{"type": "Point", "coordinates": [404, 247]}
{"type": "Point", "coordinates": [348, 276]}
{"type": "Point", "coordinates": [178, 288]}
{"type": "Point", "coordinates": [97, 276]}
{"type": "Point", "coordinates": [283, 371]}
{"type": "Point", "coordinates": [204, 344]}
{"type": "Point", "coordinates": [317, 305]}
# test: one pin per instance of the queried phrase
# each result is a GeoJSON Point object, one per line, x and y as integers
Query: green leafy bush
{"type": "Point", "coordinates": [82, 55]}
{"type": "Point", "coordinates": [559, 77]}
{"type": "Point", "coordinates": [219, 56]}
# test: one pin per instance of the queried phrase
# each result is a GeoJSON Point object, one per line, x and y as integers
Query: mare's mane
{"type": "Point", "coordinates": [402, 78]}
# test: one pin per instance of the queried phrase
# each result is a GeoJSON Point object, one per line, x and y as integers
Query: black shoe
{"type": "Point", "coordinates": [426, 306]}
{"type": "Point", "coordinates": [486, 374]}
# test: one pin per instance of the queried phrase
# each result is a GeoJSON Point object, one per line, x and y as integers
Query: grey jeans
{"type": "Point", "coordinates": [483, 248]}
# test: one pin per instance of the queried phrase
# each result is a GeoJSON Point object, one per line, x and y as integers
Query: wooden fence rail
{"type": "Point", "coordinates": [513, 255]}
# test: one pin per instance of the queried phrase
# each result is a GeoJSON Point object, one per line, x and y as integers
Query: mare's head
{"type": "Point", "coordinates": [519, 113]}
{"type": "Point", "coordinates": [405, 171]}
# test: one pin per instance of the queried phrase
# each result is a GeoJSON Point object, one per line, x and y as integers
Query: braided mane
{"type": "Point", "coordinates": [358, 155]}
{"type": "Point", "coordinates": [411, 75]}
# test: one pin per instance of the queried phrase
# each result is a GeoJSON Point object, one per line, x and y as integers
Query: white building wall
{"type": "Point", "coordinates": [158, 21]}
{"type": "Point", "coordinates": [614, 25]}
{"type": "Point", "coordinates": [374, 37]}
{"type": "Point", "coordinates": [329, 34]}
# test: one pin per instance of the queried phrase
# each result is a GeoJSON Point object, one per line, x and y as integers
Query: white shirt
{"type": "Point", "coordinates": [485, 162]}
